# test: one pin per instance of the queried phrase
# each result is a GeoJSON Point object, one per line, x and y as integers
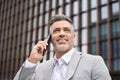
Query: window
{"type": "Point", "coordinates": [35, 10]}
{"type": "Point", "coordinates": [92, 34]}
{"type": "Point", "coordinates": [39, 33]}
{"type": "Point", "coordinates": [34, 22]}
{"type": "Point", "coordinates": [67, 10]}
{"type": "Point", "coordinates": [24, 15]}
{"type": "Point", "coordinates": [67, 1]}
{"type": "Point", "coordinates": [75, 23]}
{"type": "Point", "coordinates": [76, 41]}
{"type": "Point", "coordinates": [46, 18]}
{"type": "Point", "coordinates": [47, 5]}
{"type": "Point", "coordinates": [30, 13]}
{"type": "Point", "coordinates": [92, 48]}
{"type": "Point", "coordinates": [84, 19]}
{"type": "Point", "coordinates": [60, 10]}
{"type": "Point", "coordinates": [53, 12]}
{"type": "Point", "coordinates": [103, 2]}
{"type": "Point", "coordinates": [93, 16]}
{"type": "Point", "coordinates": [41, 8]}
{"type": "Point", "coordinates": [116, 54]}
{"type": "Point", "coordinates": [115, 9]}
{"type": "Point", "coordinates": [103, 31]}
{"type": "Point", "coordinates": [84, 5]}
{"type": "Point", "coordinates": [92, 40]}
{"type": "Point", "coordinates": [45, 31]}
{"type": "Point", "coordinates": [27, 50]}
{"type": "Point", "coordinates": [53, 3]}
{"type": "Point", "coordinates": [40, 21]}
{"type": "Point", "coordinates": [93, 3]}
{"type": "Point", "coordinates": [60, 2]}
{"type": "Point", "coordinates": [36, 1]}
{"type": "Point", "coordinates": [29, 25]}
{"type": "Point", "coordinates": [84, 49]}
{"type": "Point", "coordinates": [84, 36]}
{"type": "Point", "coordinates": [104, 12]}
{"type": "Point", "coordinates": [75, 7]}
{"type": "Point", "coordinates": [116, 50]}
{"type": "Point", "coordinates": [33, 35]}
{"type": "Point", "coordinates": [113, 0]}
{"type": "Point", "coordinates": [115, 29]}
{"type": "Point", "coordinates": [31, 2]}
{"type": "Point", "coordinates": [104, 51]}
{"type": "Point", "coordinates": [28, 37]}
{"type": "Point", "coordinates": [23, 38]}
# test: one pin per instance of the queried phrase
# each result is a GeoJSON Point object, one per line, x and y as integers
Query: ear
{"type": "Point", "coordinates": [74, 36]}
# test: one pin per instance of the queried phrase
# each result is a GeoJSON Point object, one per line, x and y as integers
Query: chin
{"type": "Point", "coordinates": [62, 48]}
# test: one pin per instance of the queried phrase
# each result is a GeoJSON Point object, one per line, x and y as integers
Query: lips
{"type": "Point", "coordinates": [62, 40]}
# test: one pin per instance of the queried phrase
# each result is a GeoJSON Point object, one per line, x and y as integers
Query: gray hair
{"type": "Point", "coordinates": [59, 17]}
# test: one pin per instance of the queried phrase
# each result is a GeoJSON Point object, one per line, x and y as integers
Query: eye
{"type": "Point", "coordinates": [67, 30]}
{"type": "Point", "coordinates": [56, 30]}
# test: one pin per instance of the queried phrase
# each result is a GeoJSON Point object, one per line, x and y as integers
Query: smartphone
{"type": "Point", "coordinates": [48, 38]}
{"type": "Point", "coordinates": [48, 41]}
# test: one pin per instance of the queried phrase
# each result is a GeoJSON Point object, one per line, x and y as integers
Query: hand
{"type": "Point", "coordinates": [36, 53]}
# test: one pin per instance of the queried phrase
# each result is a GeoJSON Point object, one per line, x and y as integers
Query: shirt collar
{"type": "Point", "coordinates": [65, 58]}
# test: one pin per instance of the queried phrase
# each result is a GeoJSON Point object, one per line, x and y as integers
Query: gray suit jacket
{"type": "Point", "coordinates": [81, 67]}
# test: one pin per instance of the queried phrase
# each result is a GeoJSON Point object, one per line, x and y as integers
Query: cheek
{"type": "Point", "coordinates": [71, 39]}
{"type": "Point", "coordinates": [53, 39]}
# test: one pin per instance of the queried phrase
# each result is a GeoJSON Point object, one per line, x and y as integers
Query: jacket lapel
{"type": "Point", "coordinates": [50, 69]}
{"type": "Point", "coordinates": [73, 64]}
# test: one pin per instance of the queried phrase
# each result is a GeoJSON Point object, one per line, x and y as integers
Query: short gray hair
{"type": "Point", "coordinates": [59, 17]}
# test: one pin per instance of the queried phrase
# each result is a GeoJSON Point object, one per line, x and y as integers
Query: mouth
{"type": "Point", "coordinates": [62, 40]}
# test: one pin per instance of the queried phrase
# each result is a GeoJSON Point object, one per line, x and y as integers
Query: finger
{"type": "Point", "coordinates": [43, 43]}
{"type": "Point", "coordinates": [39, 48]}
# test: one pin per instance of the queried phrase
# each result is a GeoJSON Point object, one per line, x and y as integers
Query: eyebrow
{"type": "Point", "coordinates": [63, 28]}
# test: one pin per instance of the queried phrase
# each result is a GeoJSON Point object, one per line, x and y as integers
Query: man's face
{"type": "Point", "coordinates": [62, 36]}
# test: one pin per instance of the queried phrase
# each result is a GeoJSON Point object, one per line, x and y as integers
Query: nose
{"type": "Point", "coordinates": [62, 33]}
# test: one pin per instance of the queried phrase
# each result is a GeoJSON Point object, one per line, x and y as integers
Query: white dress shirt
{"type": "Point", "coordinates": [60, 69]}
{"type": "Point", "coordinates": [60, 65]}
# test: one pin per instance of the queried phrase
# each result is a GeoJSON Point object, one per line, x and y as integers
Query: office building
{"type": "Point", "coordinates": [24, 22]}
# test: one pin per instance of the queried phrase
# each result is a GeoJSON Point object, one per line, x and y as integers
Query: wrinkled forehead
{"type": "Point", "coordinates": [61, 24]}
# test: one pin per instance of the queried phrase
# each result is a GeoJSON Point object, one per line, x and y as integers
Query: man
{"type": "Point", "coordinates": [68, 63]}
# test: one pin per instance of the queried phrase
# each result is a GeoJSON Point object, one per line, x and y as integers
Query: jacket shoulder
{"type": "Point", "coordinates": [88, 56]}
{"type": "Point", "coordinates": [91, 57]}
{"type": "Point", "coordinates": [45, 65]}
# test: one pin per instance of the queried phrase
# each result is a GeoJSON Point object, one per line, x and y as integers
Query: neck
{"type": "Point", "coordinates": [59, 54]}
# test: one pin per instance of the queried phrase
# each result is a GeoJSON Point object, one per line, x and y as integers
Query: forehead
{"type": "Point", "coordinates": [60, 24]}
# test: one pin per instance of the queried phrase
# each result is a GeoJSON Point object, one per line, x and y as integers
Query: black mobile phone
{"type": "Point", "coordinates": [48, 41]}
{"type": "Point", "coordinates": [48, 38]}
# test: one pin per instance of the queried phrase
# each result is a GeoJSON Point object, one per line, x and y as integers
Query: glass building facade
{"type": "Point", "coordinates": [24, 22]}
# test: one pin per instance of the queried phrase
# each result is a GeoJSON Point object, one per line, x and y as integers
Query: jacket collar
{"type": "Point", "coordinates": [73, 64]}
{"type": "Point", "coordinates": [49, 70]}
